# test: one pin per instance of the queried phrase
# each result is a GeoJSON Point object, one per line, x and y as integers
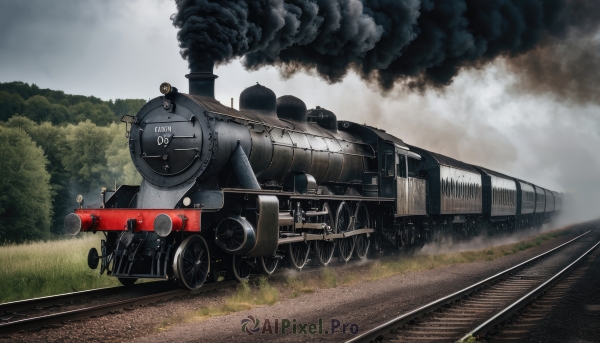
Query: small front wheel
{"type": "Point", "coordinates": [192, 262]}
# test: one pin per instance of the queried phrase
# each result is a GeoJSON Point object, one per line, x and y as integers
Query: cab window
{"type": "Point", "coordinates": [401, 166]}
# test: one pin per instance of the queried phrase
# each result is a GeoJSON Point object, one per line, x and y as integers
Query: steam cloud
{"type": "Point", "coordinates": [415, 43]}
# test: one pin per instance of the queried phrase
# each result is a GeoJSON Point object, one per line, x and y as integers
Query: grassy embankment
{"type": "Point", "coordinates": [260, 292]}
{"type": "Point", "coordinates": [46, 268]}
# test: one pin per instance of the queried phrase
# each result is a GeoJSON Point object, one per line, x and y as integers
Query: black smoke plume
{"type": "Point", "coordinates": [566, 65]}
{"type": "Point", "coordinates": [411, 42]}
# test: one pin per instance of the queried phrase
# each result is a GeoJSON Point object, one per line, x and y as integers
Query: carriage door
{"type": "Point", "coordinates": [401, 185]}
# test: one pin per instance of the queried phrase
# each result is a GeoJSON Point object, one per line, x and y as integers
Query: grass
{"type": "Point", "coordinates": [470, 339]}
{"type": "Point", "coordinates": [246, 296]}
{"type": "Point", "coordinates": [46, 268]}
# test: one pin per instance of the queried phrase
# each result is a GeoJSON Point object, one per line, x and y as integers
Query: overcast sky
{"type": "Point", "coordinates": [125, 49]}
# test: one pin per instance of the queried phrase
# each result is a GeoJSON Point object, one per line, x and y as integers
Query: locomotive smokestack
{"type": "Point", "coordinates": [201, 79]}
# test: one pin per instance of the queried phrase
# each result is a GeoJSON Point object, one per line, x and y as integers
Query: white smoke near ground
{"type": "Point", "coordinates": [487, 242]}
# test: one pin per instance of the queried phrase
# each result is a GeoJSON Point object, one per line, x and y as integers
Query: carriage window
{"type": "Point", "coordinates": [401, 165]}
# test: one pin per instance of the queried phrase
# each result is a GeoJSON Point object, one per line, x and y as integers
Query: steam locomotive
{"type": "Point", "coordinates": [229, 193]}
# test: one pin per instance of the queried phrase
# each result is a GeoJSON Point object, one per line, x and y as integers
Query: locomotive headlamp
{"type": "Point", "coordinates": [165, 88]}
{"type": "Point", "coordinates": [187, 201]}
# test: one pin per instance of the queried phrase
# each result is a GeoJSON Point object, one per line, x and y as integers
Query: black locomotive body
{"type": "Point", "coordinates": [226, 193]}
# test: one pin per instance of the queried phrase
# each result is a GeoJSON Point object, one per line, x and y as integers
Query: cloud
{"type": "Point", "coordinates": [107, 48]}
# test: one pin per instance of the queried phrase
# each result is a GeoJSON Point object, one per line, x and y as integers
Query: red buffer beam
{"type": "Point", "coordinates": [161, 221]}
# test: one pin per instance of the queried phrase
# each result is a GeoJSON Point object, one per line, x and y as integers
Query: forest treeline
{"type": "Point", "coordinates": [54, 146]}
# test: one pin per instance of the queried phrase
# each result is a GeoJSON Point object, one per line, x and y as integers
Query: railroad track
{"type": "Point", "coordinates": [478, 309]}
{"type": "Point", "coordinates": [520, 324]}
{"type": "Point", "coordinates": [156, 292]}
{"type": "Point", "coordinates": [15, 307]}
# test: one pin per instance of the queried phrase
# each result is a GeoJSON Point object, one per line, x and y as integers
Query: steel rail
{"type": "Point", "coordinates": [515, 307]}
{"type": "Point", "coordinates": [407, 317]}
{"type": "Point", "coordinates": [99, 310]}
{"type": "Point", "coordinates": [52, 300]}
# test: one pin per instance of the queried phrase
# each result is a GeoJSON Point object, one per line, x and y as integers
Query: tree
{"type": "Point", "coordinates": [37, 108]}
{"type": "Point", "coordinates": [10, 104]}
{"type": "Point", "coordinates": [118, 159]}
{"type": "Point", "coordinates": [27, 91]}
{"type": "Point", "coordinates": [25, 202]}
{"type": "Point", "coordinates": [84, 153]}
{"type": "Point", "coordinates": [99, 114]}
{"type": "Point", "coordinates": [48, 137]}
{"type": "Point", "coordinates": [51, 139]}
{"type": "Point", "coordinates": [126, 106]}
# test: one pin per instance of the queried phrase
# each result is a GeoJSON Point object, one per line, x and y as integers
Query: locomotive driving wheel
{"type": "Point", "coordinates": [361, 221]}
{"type": "Point", "coordinates": [325, 249]}
{"type": "Point", "coordinates": [343, 223]}
{"type": "Point", "coordinates": [298, 254]}
{"type": "Point", "coordinates": [192, 262]}
{"type": "Point", "coordinates": [241, 268]}
{"type": "Point", "coordinates": [268, 264]}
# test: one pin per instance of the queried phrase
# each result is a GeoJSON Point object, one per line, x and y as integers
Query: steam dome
{"type": "Point", "coordinates": [291, 108]}
{"type": "Point", "coordinates": [258, 98]}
